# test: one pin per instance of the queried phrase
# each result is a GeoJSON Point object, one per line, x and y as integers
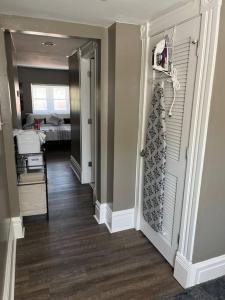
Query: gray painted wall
{"type": "Point", "coordinates": [210, 234]}
{"type": "Point", "coordinates": [9, 205]}
{"type": "Point", "coordinates": [124, 87]}
{"type": "Point", "coordinates": [13, 81]}
{"type": "Point", "coordinates": [27, 76]}
{"type": "Point", "coordinates": [7, 131]}
{"type": "Point", "coordinates": [111, 110]}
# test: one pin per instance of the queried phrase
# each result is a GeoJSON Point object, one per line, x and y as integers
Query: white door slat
{"type": "Point", "coordinates": [184, 60]}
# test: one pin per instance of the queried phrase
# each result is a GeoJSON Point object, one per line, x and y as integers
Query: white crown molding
{"type": "Point", "coordinates": [145, 31]}
{"type": "Point", "coordinates": [175, 17]}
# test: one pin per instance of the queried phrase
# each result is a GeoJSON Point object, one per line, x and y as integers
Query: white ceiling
{"type": "Point", "coordinates": [31, 53]}
{"type": "Point", "coordinates": [96, 12]}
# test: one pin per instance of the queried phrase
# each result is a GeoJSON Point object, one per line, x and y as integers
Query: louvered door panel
{"type": "Point", "coordinates": [174, 126]}
{"type": "Point", "coordinates": [178, 126]}
{"type": "Point", "coordinates": [169, 206]}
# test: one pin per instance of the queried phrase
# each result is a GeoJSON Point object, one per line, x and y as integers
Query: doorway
{"type": "Point", "coordinates": [184, 46]}
{"type": "Point", "coordinates": [46, 97]}
{"type": "Point", "coordinates": [84, 103]}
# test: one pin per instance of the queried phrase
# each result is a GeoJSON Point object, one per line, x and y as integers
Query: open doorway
{"type": "Point", "coordinates": [84, 110]}
{"type": "Point", "coordinates": [58, 99]}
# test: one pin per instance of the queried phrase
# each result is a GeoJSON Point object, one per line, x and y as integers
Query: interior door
{"type": "Point", "coordinates": [74, 82]}
{"type": "Point", "coordinates": [86, 122]}
{"type": "Point", "coordinates": [93, 119]}
{"type": "Point", "coordinates": [185, 37]}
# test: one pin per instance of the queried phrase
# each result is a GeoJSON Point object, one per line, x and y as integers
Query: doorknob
{"type": "Point", "coordinates": [142, 153]}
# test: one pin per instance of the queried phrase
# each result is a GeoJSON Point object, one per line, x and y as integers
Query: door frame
{"type": "Point", "coordinates": [209, 10]}
{"type": "Point", "coordinates": [88, 51]}
{"type": "Point", "coordinates": [40, 26]}
{"type": "Point", "coordinates": [85, 136]}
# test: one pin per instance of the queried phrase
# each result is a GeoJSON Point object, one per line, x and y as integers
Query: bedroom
{"type": "Point", "coordinates": [48, 91]}
{"type": "Point", "coordinates": [52, 114]}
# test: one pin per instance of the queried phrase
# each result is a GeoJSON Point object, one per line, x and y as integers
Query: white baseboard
{"type": "Point", "coordinates": [183, 271]}
{"type": "Point", "coordinates": [122, 220]}
{"type": "Point", "coordinates": [9, 281]}
{"type": "Point", "coordinates": [189, 274]}
{"type": "Point", "coordinates": [100, 212]}
{"type": "Point", "coordinates": [19, 230]}
{"type": "Point", "coordinates": [115, 221]}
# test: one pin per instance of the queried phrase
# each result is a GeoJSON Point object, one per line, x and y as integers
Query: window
{"type": "Point", "coordinates": [48, 99]}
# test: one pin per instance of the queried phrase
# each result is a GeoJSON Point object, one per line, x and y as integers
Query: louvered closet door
{"type": "Point", "coordinates": [178, 128]}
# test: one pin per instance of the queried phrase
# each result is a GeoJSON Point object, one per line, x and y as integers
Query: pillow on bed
{"type": "Point", "coordinates": [54, 120]}
{"type": "Point", "coordinates": [30, 119]}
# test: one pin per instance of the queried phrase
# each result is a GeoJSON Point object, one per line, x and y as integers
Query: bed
{"type": "Point", "coordinates": [55, 127]}
{"type": "Point", "coordinates": [55, 133]}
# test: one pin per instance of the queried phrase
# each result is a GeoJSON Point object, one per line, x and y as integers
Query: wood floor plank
{"type": "Point", "coordinates": [72, 257]}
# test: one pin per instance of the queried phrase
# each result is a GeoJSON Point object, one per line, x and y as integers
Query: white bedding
{"type": "Point", "coordinates": [57, 133]}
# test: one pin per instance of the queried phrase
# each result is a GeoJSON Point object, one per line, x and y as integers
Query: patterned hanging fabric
{"type": "Point", "coordinates": [155, 161]}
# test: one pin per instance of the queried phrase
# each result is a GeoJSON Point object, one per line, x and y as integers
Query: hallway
{"type": "Point", "coordinates": [72, 257]}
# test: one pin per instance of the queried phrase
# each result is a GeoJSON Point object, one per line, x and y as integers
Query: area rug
{"type": "Point", "coordinates": [210, 290]}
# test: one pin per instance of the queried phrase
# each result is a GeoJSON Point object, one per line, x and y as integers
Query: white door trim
{"type": "Point", "coordinates": [145, 38]}
{"type": "Point", "coordinates": [16, 231]}
{"type": "Point", "coordinates": [210, 12]}
{"type": "Point", "coordinates": [85, 97]}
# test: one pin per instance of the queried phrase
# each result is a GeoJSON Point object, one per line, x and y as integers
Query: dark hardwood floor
{"type": "Point", "coordinates": [72, 257]}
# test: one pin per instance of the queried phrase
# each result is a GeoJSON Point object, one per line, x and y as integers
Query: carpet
{"type": "Point", "coordinates": [210, 290]}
